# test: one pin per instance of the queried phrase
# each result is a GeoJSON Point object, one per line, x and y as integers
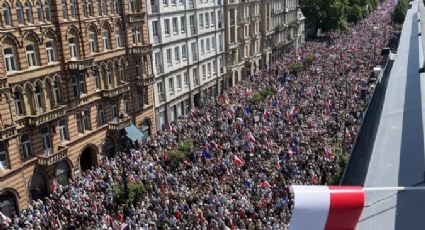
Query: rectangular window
{"type": "Point", "coordinates": [51, 57]}
{"type": "Point", "coordinates": [118, 42]}
{"type": "Point", "coordinates": [214, 67]}
{"type": "Point", "coordinates": [208, 44]}
{"type": "Point", "coordinates": [126, 106]}
{"type": "Point", "coordinates": [82, 83]}
{"type": "Point", "coordinates": [212, 19]}
{"type": "Point", "coordinates": [182, 24]}
{"type": "Point", "coordinates": [169, 57]}
{"type": "Point", "coordinates": [207, 20]}
{"type": "Point", "coordinates": [4, 158]}
{"type": "Point", "coordinates": [92, 43]}
{"type": "Point", "coordinates": [167, 27]}
{"type": "Point", "coordinates": [195, 77]}
{"type": "Point", "coordinates": [209, 69]}
{"type": "Point", "coordinates": [46, 141]}
{"type": "Point", "coordinates": [158, 63]}
{"type": "Point", "coordinates": [179, 82]}
{"type": "Point", "coordinates": [186, 79]}
{"type": "Point", "coordinates": [160, 92]}
{"type": "Point", "coordinates": [213, 44]}
{"type": "Point", "coordinates": [63, 130]}
{"type": "Point", "coordinates": [194, 55]}
{"type": "Point", "coordinates": [86, 120]}
{"type": "Point", "coordinates": [74, 83]}
{"type": "Point", "coordinates": [202, 47]}
{"type": "Point", "coordinates": [192, 24]}
{"type": "Point", "coordinates": [115, 112]}
{"type": "Point", "coordinates": [26, 146]}
{"type": "Point", "coordinates": [101, 119]}
{"type": "Point", "coordinates": [175, 26]}
{"type": "Point", "coordinates": [9, 59]}
{"type": "Point", "coordinates": [177, 53]}
{"type": "Point", "coordinates": [155, 28]}
{"type": "Point", "coordinates": [184, 51]}
{"type": "Point", "coordinates": [171, 85]}
{"type": "Point", "coordinates": [201, 20]}
{"type": "Point", "coordinates": [31, 55]}
{"type": "Point", "coordinates": [73, 48]}
{"type": "Point", "coordinates": [204, 72]}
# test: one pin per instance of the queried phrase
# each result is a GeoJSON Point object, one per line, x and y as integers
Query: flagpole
{"type": "Point", "coordinates": [377, 189]}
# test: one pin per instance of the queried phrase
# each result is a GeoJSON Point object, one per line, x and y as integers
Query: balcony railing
{"type": "Point", "coordinates": [136, 16]}
{"type": "Point", "coordinates": [141, 49]}
{"type": "Point", "coordinates": [7, 132]}
{"type": "Point", "coordinates": [119, 124]}
{"type": "Point", "coordinates": [39, 119]}
{"type": "Point", "coordinates": [80, 64]}
{"type": "Point", "coordinates": [53, 158]}
{"type": "Point", "coordinates": [110, 93]}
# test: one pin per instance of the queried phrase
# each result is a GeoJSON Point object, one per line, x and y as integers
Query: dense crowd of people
{"type": "Point", "coordinates": [246, 153]}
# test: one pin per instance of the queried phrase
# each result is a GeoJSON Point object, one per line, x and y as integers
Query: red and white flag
{"type": "Point", "coordinates": [6, 220]}
{"type": "Point", "coordinates": [238, 162]}
{"type": "Point", "coordinates": [326, 207]}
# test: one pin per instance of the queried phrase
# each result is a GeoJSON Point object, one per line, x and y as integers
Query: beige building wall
{"type": "Point", "coordinates": [72, 76]}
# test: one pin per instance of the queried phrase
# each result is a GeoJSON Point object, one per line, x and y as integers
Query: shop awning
{"type": "Point", "coordinates": [133, 133]}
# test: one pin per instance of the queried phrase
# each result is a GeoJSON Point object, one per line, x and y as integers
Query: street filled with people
{"type": "Point", "coordinates": [244, 150]}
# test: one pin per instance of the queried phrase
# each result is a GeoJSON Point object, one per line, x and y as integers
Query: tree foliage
{"type": "Point", "coordinates": [400, 11]}
{"type": "Point", "coordinates": [335, 14]}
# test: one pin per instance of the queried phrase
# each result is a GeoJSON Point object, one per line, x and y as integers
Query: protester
{"type": "Point", "coordinates": [246, 152]}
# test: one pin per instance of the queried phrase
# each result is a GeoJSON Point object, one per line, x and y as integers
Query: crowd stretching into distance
{"type": "Point", "coordinates": [246, 153]}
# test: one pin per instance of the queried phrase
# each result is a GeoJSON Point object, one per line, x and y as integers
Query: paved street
{"type": "Point", "coordinates": [398, 153]}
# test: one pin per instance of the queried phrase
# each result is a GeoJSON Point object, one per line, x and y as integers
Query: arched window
{"type": "Point", "coordinates": [91, 8]}
{"type": "Point", "coordinates": [31, 51]}
{"type": "Point", "coordinates": [38, 99]}
{"type": "Point", "coordinates": [9, 54]}
{"type": "Point", "coordinates": [106, 39]}
{"type": "Point", "coordinates": [64, 10]}
{"type": "Point", "coordinates": [92, 41]}
{"type": "Point", "coordinates": [51, 51]}
{"type": "Point", "coordinates": [19, 103]}
{"type": "Point", "coordinates": [118, 40]}
{"type": "Point", "coordinates": [73, 8]}
{"type": "Point", "coordinates": [19, 12]}
{"type": "Point", "coordinates": [7, 18]}
{"type": "Point", "coordinates": [109, 77]}
{"type": "Point", "coordinates": [40, 13]}
{"type": "Point", "coordinates": [96, 79]}
{"type": "Point", "coordinates": [47, 9]}
{"type": "Point", "coordinates": [57, 92]}
{"type": "Point", "coordinates": [28, 12]}
{"type": "Point", "coordinates": [73, 46]}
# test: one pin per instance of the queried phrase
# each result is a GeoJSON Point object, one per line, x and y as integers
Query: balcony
{"type": "Point", "coordinates": [146, 80]}
{"type": "Point", "coordinates": [141, 49]}
{"type": "Point", "coordinates": [119, 123]}
{"type": "Point", "coordinates": [7, 132]}
{"type": "Point", "coordinates": [136, 16]}
{"type": "Point", "coordinates": [110, 93]}
{"type": "Point", "coordinates": [60, 154]}
{"type": "Point", "coordinates": [80, 64]}
{"type": "Point", "coordinates": [39, 119]}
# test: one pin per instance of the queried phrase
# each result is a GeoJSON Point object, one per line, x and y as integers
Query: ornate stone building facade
{"type": "Point", "coordinates": [73, 75]}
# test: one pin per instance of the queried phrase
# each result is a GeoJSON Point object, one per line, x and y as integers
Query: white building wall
{"type": "Point", "coordinates": [187, 44]}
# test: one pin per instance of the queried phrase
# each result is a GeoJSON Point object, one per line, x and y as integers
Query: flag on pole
{"type": "Point", "coordinates": [5, 220]}
{"type": "Point", "coordinates": [326, 207]}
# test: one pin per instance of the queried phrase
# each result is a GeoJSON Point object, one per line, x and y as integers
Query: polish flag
{"type": "Point", "coordinates": [328, 152]}
{"type": "Point", "coordinates": [6, 220]}
{"type": "Point", "coordinates": [326, 207]}
{"type": "Point", "coordinates": [238, 162]}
